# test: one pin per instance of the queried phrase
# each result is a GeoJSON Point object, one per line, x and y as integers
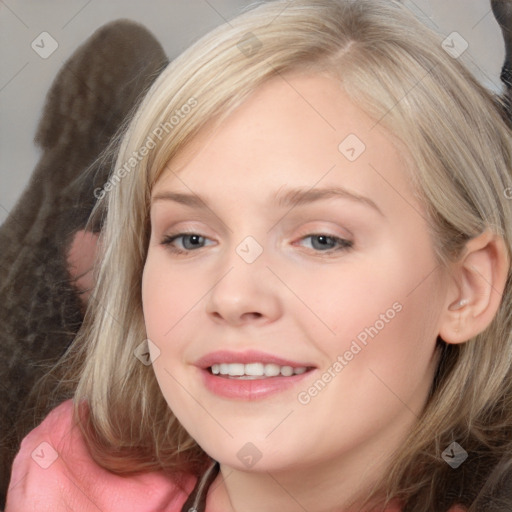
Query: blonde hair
{"type": "Point", "coordinates": [393, 67]}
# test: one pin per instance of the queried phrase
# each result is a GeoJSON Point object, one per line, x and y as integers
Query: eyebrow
{"type": "Point", "coordinates": [287, 198]}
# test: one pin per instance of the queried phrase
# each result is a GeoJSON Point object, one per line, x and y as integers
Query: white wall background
{"type": "Point", "coordinates": [25, 77]}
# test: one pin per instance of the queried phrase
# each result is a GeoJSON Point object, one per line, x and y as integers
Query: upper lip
{"type": "Point", "coordinates": [249, 356]}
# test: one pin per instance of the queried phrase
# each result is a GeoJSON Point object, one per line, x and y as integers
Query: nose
{"type": "Point", "coordinates": [245, 293]}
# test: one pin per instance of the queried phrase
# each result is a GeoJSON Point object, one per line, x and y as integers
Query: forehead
{"type": "Point", "coordinates": [295, 129]}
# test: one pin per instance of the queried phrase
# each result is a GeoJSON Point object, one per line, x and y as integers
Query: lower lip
{"type": "Point", "coordinates": [253, 389]}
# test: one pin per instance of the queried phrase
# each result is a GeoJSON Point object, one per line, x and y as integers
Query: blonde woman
{"type": "Point", "coordinates": [303, 296]}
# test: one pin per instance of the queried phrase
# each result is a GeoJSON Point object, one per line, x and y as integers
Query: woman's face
{"type": "Point", "coordinates": [338, 292]}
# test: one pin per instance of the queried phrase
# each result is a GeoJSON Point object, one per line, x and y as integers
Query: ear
{"type": "Point", "coordinates": [474, 296]}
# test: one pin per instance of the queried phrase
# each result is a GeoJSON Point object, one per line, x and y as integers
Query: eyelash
{"type": "Point", "coordinates": [344, 245]}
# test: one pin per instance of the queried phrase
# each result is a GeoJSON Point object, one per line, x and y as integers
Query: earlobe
{"type": "Point", "coordinates": [474, 297]}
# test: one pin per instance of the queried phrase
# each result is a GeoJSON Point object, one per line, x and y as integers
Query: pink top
{"type": "Point", "coordinates": [54, 472]}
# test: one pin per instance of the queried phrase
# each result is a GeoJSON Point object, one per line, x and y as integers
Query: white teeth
{"type": "Point", "coordinates": [236, 369]}
{"type": "Point", "coordinates": [272, 370]}
{"type": "Point", "coordinates": [255, 370]}
{"type": "Point", "coordinates": [286, 371]}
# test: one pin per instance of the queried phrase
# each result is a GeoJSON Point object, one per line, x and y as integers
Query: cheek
{"type": "Point", "coordinates": [166, 296]}
{"type": "Point", "coordinates": [164, 303]}
{"type": "Point", "coordinates": [379, 363]}
{"type": "Point", "coordinates": [154, 298]}
{"type": "Point", "coordinates": [382, 316]}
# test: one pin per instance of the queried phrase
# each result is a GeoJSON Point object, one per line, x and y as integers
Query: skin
{"type": "Point", "coordinates": [300, 301]}
{"type": "Point", "coordinates": [80, 256]}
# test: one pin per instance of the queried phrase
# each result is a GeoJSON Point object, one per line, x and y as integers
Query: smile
{"type": "Point", "coordinates": [251, 374]}
{"type": "Point", "coordinates": [252, 371]}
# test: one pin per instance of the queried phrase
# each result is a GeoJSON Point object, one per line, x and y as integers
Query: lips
{"type": "Point", "coordinates": [250, 387]}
